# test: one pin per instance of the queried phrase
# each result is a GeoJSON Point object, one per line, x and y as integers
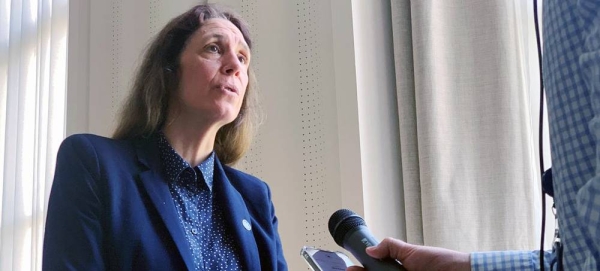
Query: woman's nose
{"type": "Point", "coordinates": [231, 64]}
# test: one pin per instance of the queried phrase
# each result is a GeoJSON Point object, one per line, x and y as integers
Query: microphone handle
{"type": "Point", "coordinates": [357, 240]}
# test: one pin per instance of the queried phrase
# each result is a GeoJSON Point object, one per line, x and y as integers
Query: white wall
{"type": "Point", "coordinates": [325, 74]}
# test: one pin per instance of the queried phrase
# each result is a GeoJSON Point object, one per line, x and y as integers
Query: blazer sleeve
{"type": "Point", "coordinates": [281, 263]}
{"type": "Point", "coordinates": [73, 234]}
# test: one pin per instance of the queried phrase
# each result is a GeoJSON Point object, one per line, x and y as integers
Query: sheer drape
{"type": "Point", "coordinates": [33, 44]}
{"type": "Point", "coordinates": [468, 147]}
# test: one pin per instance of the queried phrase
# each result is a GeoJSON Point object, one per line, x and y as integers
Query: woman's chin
{"type": "Point", "coordinates": [216, 115]}
{"type": "Point", "coordinates": [224, 119]}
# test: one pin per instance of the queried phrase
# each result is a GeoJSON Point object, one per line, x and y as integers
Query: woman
{"type": "Point", "coordinates": [160, 195]}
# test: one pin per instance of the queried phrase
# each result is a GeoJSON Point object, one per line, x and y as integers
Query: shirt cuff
{"type": "Point", "coordinates": [509, 260]}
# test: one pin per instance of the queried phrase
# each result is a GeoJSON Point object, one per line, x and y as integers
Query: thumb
{"type": "Point", "coordinates": [388, 248]}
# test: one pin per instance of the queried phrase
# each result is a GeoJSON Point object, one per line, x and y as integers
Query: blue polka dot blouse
{"type": "Point", "coordinates": [209, 239]}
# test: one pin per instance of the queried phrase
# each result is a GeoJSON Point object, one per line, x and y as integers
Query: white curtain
{"type": "Point", "coordinates": [33, 46]}
{"type": "Point", "coordinates": [464, 77]}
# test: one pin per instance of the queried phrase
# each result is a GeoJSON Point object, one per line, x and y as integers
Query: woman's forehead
{"type": "Point", "coordinates": [221, 28]}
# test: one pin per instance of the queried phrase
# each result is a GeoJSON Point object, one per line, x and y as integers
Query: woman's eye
{"type": "Point", "coordinates": [242, 59]}
{"type": "Point", "coordinates": [212, 48]}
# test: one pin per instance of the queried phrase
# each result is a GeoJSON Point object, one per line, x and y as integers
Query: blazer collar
{"type": "Point", "coordinates": [237, 217]}
{"type": "Point", "coordinates": [157, 188]}
{"type": "Point", "coordinates": [236, 213]}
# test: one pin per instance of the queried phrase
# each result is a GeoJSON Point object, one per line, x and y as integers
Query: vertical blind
{"type": "Point", "coordinates": [33, 47]}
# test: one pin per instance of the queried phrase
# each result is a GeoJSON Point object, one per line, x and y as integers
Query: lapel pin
{"type": "Point", "coordinates": [246, 224]}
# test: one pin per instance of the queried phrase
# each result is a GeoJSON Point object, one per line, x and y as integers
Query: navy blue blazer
{"type": "Point", "coordinates": [110, 209]}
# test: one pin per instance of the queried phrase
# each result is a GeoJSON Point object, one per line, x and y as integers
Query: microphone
{"type": "Point", "coordinates": [350, 231]}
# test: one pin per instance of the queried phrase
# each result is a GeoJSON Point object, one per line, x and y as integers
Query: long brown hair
{"type": "Point", "coordinates": [145, 110]}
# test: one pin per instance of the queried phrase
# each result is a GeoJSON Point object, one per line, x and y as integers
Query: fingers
{"type": "Point", "coordinates": [388, 248]}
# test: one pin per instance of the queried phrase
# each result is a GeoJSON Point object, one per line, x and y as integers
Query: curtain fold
{"type": "Point", "coordinates": [468, 158]}
{"type": "Point", "coordinates": [33, 44]}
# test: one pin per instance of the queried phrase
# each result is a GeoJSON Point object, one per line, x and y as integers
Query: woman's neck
{"type": "Point", "coordinates": [194, 142]}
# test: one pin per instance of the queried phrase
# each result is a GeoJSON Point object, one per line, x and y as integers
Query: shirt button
{"type": "Point", "coordinates": [194, 231]}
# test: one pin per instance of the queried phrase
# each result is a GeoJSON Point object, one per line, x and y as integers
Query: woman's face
{"type": "Point", "coordinates": [213, 73]}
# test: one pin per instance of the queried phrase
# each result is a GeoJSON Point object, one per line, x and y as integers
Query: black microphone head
{"type": "Point", "coordinates": [343, 221]}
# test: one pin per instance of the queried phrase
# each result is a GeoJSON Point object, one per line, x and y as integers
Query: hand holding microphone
{"type": "Point", "coordinates": [417, 258]}
{"type": "Point", "coordinates": [349, 231]}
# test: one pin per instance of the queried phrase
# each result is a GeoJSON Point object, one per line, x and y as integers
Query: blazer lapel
{"type": "Point", "coordinates": [158, 189]}
{"type": "Point", "coordinates": [237, 217]}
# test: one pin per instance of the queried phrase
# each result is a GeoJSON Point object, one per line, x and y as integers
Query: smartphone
{"type": "Point", "coordinates": [325, 260]}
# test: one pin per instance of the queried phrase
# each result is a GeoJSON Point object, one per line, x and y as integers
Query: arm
{"type": "Point", "coordinates": [588, 205]}
{"type": "Point", "coordinates": [73, 235]}
{"type": "Point", "coordinates": [509, 260]}
{"type": "Point", "coordinates": [588, 196]}
{"type": "Point", "coordinates": [416, 258]}
{"type": "Point", "coordinates": [281, 263]}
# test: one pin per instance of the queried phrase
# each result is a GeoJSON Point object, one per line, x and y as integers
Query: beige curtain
{"type": "Point", "coordinates": [33, 45]}
{"type": "Point", "coordinates": [468, 155]}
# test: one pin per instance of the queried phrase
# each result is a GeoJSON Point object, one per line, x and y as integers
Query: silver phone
{"type": "Point", "coordinates": [325, 260]}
